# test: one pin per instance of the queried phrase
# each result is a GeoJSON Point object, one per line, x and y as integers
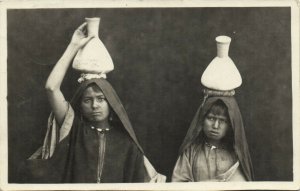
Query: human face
{"type": "Point", "coordinates": [94, 106]}
{"type": "Point", "coordinates": [215, 126]}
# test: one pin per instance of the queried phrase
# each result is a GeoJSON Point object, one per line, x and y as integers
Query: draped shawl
{"type": "Point", "coordinates": [240, 145]}
{"type": "Point", "coordinates": [113, 100]}
{"type": "Point", "coordinates": [56, 143]}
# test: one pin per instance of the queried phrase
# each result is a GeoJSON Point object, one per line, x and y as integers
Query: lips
{"type": "Point", "coordinates": [214, 133]}
{"type": "Point", "coordinates": [96, 113]}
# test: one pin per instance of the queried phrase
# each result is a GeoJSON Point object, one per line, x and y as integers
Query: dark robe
{"type": "Point", "coordinates": [76, 153]}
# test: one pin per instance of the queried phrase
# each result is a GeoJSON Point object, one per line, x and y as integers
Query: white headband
{"type": "Point", "coordinates": [84, 77]}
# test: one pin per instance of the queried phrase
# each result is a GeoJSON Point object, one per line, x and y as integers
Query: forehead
{"type": "Point", "coordinates": [92, 91]}
{"type": "Point", "coordinates": [218, 108]}
{"type": "Point", "coordinates": [219, 116]}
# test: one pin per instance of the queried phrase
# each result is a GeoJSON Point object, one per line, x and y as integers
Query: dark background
{"type": "Point", "coordinates": [159, 56]}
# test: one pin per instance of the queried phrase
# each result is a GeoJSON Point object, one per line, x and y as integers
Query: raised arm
{"type": "Point", "coordinates": [55, 96]}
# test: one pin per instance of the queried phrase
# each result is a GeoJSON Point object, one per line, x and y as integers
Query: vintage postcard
{"type": "Point", "coordinates": [149, 95]}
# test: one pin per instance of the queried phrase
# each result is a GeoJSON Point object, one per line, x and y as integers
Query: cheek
{"type": "Point", "coordinates": [225, 129]}
{"type": "Point", "coordinates": [206, 124]}
{"type": "Point", "coordinates": [84, 108]}
{"type": "Point", "coordinates": [106, 108]}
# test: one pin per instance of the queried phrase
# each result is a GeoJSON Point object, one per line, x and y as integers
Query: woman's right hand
{"type": "Point", "coordinates": [80, 38]}
{"type": "Point", "coordinates": [56, 98]}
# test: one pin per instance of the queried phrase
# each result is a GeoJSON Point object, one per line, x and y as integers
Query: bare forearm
{"type": "Point", "coordinates": [58, 73]}
{"type": "Point", "coordinates": [55, 96]}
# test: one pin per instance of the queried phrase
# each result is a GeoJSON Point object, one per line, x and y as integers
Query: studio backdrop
{"type": "Point", "coordinates": [159, 56]}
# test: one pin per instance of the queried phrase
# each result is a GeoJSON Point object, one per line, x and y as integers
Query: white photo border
{"type": "Point", "coordinates": [48, 4]}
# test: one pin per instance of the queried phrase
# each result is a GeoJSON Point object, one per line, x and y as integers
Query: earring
{"type": "Point", "coordinates": [110, 118]}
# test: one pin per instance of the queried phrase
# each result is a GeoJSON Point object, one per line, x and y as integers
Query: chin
{"type": "Point", "coordinates": [97, 119]}
{"type": "Point", "coordinates": [214, 138]}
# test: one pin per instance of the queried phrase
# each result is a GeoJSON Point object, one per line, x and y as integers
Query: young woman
{"type": "Point", "coordinates": [215, 147]}
{"type": "Point", "coordinates": [89, 139]}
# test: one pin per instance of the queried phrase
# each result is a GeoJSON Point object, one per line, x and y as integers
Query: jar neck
{"type": "Point", "coordinates": [93, 26]}
{"type": "Point", "coordinates": [222, 49]}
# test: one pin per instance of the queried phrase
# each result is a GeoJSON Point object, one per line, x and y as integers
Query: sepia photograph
{"type": "Point", "coordinates": [150, 95]}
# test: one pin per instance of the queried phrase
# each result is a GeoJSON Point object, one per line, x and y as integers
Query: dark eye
{"type": "Point", "coordinates": [210, 118]}
{"type": "Point", "coordinates": [223, 121]}
{"type": "Point", "coordinates": [86, 100]}
{"type": "Point", "coordinates": [100, 99]}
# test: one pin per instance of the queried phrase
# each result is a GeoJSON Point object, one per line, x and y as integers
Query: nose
{"type": "Point", "coordinates": [216, 124]}
{"type": "Point", "coordinates": [95, 104]}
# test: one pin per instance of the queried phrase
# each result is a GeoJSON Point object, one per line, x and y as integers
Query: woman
{"type": "Point", "coordinates": [215, 147]}
{"type": "Point", "coordinates": [90, 139]}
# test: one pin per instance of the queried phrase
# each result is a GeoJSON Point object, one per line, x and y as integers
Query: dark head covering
{"type": "Point", "coordinates": [113, 100]}
{"type": "Point", "coordinates": [240, 143]}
